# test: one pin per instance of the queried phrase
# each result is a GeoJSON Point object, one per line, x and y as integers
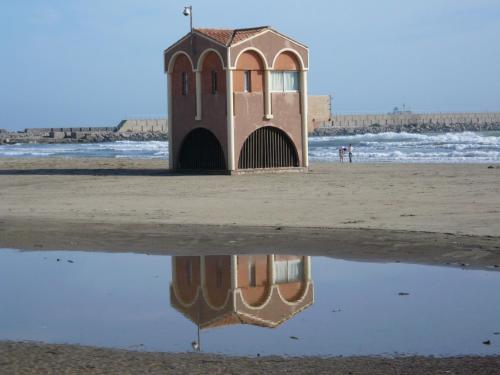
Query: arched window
{"type": "Point", "coordinates": [249, 74]}
{"type": "Point", "coordinates": [285, 76]}
{"type": "Point", "coordinates": [182, 77]}
{"type": "Point", "coordinates": [212, 81]}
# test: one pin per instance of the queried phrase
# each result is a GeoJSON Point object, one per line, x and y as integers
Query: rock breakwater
{"type": "Point", "coordinates": [80, 137]}
{"type": "Point", "coordinates": [405, 128]}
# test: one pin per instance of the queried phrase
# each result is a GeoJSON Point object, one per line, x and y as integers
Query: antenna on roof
{"type": "Point", "coordinates": [188, 11]}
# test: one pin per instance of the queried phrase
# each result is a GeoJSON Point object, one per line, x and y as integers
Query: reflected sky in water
{"type": "Point", "coordinates": [123, 301]}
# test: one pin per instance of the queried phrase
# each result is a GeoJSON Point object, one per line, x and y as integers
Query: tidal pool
{"type": "Point", "coordinates": [247, 305]}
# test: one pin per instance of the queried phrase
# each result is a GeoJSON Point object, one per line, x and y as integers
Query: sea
{"type": "Point", "coordinates": [465, 147]}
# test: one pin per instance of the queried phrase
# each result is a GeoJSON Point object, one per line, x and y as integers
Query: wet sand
{"type": "Point", "coordinates": [374, 245]}
{"type": "Point", "coordinates": [32, 358]}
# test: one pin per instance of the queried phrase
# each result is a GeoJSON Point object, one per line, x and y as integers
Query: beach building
{"type": "Point", "coordinates": [237, 100]}
{"type": "Point", "coordinates": [262, 290]}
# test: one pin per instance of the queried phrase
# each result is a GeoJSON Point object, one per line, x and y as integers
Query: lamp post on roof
{"type": "Point", "coordinates": [188, 11]}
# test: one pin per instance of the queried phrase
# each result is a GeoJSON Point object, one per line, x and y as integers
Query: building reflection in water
{"type": "Point", "coordinates": [222, 290]}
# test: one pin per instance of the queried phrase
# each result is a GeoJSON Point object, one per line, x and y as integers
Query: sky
{"type": "Point", "coordinates": [94, 62]}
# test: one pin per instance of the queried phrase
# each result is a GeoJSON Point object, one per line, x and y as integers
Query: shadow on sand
{"type": "Point", "coordinates": [104, 172]}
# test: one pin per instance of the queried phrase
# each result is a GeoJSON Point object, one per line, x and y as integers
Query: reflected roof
{"type": "Point", "coordinates": [275, 311]}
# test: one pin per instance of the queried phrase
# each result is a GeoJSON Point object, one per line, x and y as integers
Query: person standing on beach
{"type": "Point", "coordinates": [341, 154]}
{"type": "Point", "coordinates": [350, 153]}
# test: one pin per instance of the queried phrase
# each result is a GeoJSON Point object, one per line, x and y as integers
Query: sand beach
{"type": "Point", "coordinates": [333, 205]}
{"type": "Point", "coordinates": [33, 358]}
{"type": "Point", "coordinates": [443, 214]}
{"type": "Point", "coordinates": [430, 213]}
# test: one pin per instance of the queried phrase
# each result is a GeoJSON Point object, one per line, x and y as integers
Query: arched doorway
{"type": "Point", "coordinates": [268, 147]}
{"type": "Point", "coordinates": [201, 150]}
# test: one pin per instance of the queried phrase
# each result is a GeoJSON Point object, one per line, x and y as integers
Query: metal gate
{"type": "Point", "coordinates": [268, 147]}
{"type": "Point", "coordinates": [201, 150]}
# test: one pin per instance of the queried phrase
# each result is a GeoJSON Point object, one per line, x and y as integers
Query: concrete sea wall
{"type": "Point", "coordinates": [415, 118]}
{"type": "Point", "coordinates": [130, 129]}
{"type": "Point", "coordinates": [319, 111]}
{"type": "Point", "coordinates": [149, 125]}
{"type": "Point", "coordinates": [409, 122]}
{"type": "Point", "coordinates": [45, 132]}
{"type": "Point", "coordinates": [129, 125]}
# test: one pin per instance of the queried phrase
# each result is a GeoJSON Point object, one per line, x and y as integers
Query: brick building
{"type": "Point", "coordinates": [221, 290]}
{"type": "Point", "coordinates": [237, 100]}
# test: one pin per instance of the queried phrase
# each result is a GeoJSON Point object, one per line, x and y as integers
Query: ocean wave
{"type": "Point", "coordinates": [470, 147]}
{"type": "Point", "coordinates": [410, 138]}
{"type": "Point", "coordinates": [123, 149]}
{"type": "Point", "coordinates": [22, 153]}
{"type": "Point", "coordinates": [422, 157]}
{"type": "Point", "coordinates": [406, 147]}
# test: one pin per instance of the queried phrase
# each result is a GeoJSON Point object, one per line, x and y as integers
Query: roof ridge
{"type": "Point", "coordinates": [232, 28]}
{"type": "Point", "coordinates": [213, 28]}
{"type": "Point", "coordinates": [253, 28]}
{"type": "Point", "coordinates": [232, 38]}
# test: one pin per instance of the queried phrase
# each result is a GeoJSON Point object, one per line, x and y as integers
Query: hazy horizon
{"type": "Point", "coordinates": [89, 63]}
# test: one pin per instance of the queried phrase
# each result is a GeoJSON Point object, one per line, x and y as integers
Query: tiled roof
{"type": "Point", "coordinates": [228, 37]}
{"type": "Point", "coordinates": [225, 320]}
{"type": "Point", "coordinates": [232, 318]}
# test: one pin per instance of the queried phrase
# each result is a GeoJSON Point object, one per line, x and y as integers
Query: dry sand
{"type": "Point", "coordinates": [449, 198]}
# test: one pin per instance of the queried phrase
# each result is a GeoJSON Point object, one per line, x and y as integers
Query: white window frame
{"type": "Point", "coordinates": [288, 268]}
{"type": "Point", "coordinates": [282, 73]}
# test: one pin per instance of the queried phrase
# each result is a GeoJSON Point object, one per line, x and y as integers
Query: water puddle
{"type": "Point", "coordinates": [247, 305]}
